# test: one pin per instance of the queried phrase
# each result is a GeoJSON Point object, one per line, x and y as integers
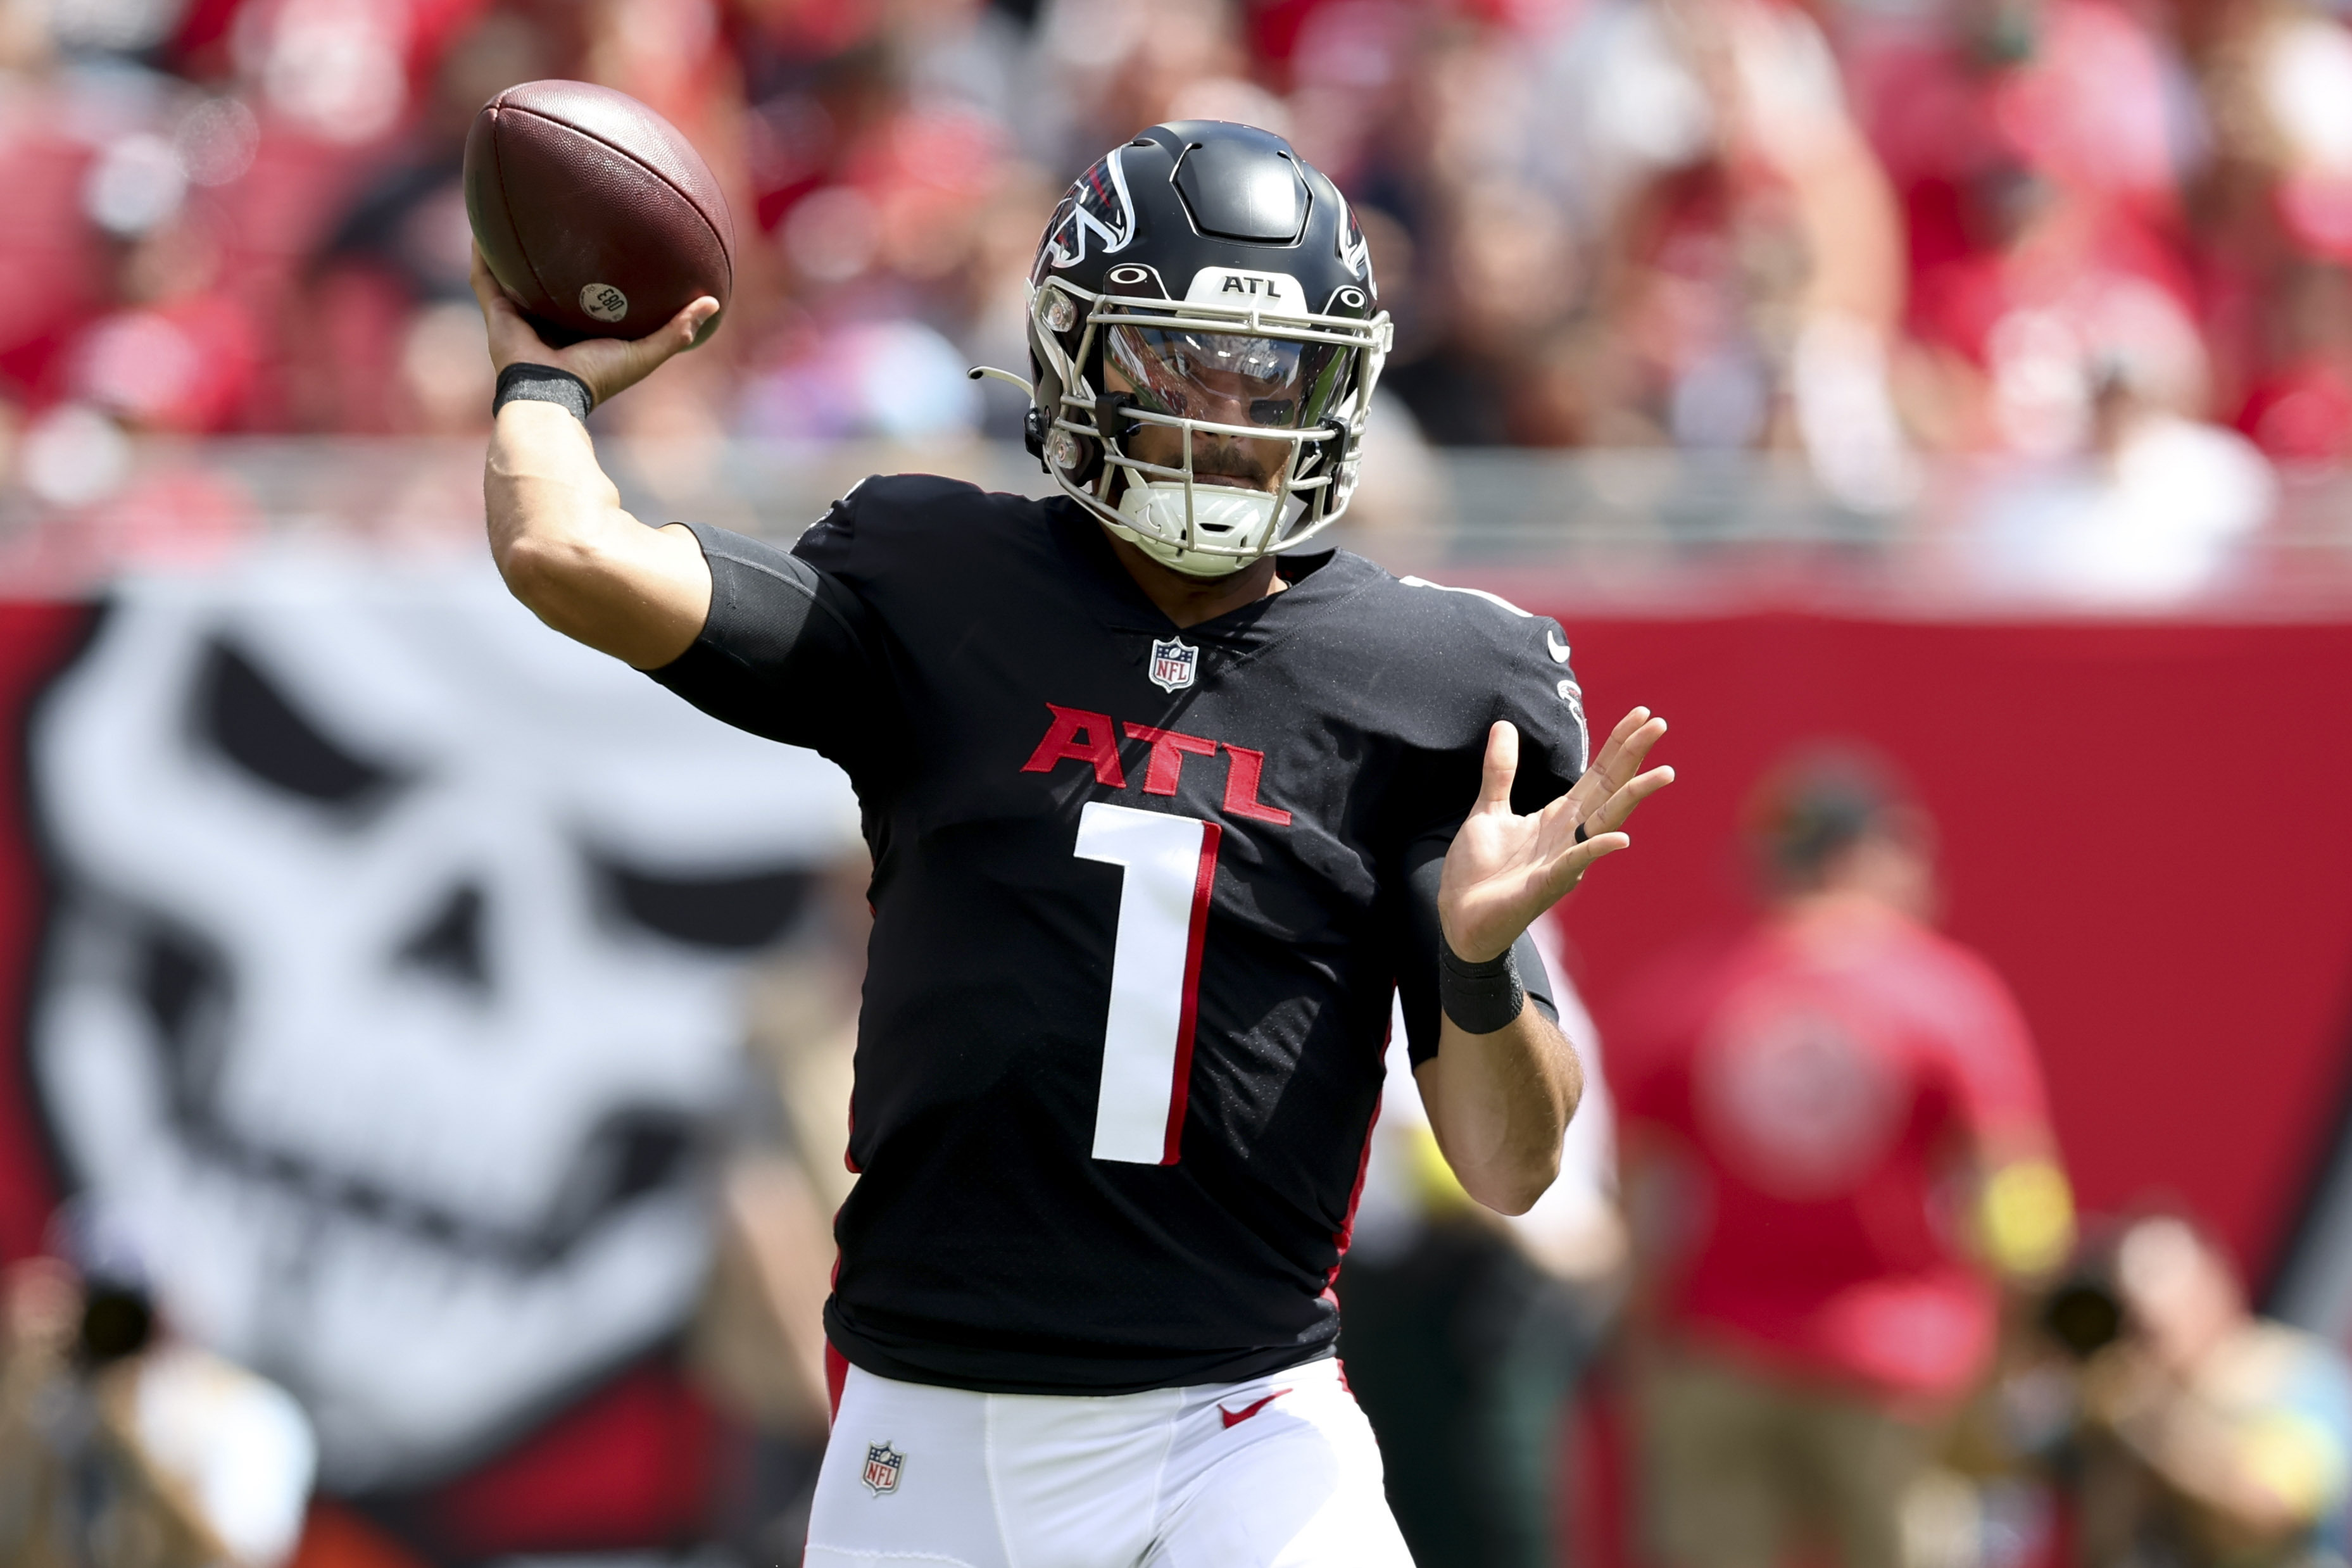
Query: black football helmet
{"type": "Point", "coordinates": [1206, 278]}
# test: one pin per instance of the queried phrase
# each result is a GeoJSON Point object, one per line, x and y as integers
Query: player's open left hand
{"type": "Point", "coordinates": [609, 365]}
{"type": "Point", "coordinates": [1503, 869]}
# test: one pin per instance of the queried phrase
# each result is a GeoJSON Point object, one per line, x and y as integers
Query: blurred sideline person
{"type": "Point", "coordinates": [1800, 1103]}
{"type": "Point", "coordinates": [1466, 1331]}
{"type": "Point", "coordinates": [2213, 1437]}
{"type": "Point", "coordinates": [123, 1447]}
{"type": "Point", "coordinates": [1165, 810]}
{"type": "Point", "coordinates": [757, 1344]}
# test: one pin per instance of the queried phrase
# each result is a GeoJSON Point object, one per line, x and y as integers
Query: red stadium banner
{"type": "Point", "coordinates": [2141, 828]}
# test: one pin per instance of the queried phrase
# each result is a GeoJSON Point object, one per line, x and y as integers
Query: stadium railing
{"type": "Point", "coordinates": [1624, 529]}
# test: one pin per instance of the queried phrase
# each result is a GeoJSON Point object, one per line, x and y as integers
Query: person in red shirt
{"type": "Point", "coordinates": [1836, 1142]}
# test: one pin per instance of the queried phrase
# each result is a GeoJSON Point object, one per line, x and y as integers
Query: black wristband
{"type": "Point", "coordinates": [1479, 998]}
{"type": "Point", "coordinates": [543, 383]}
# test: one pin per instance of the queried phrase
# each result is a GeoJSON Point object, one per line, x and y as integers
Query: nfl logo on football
{"type": "Point", "coordinates": [882, 1464]}
{"type": "Point", "coordinates": [1172, 663]}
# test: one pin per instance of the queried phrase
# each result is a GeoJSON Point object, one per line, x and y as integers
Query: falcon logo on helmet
{"type": "Point", "coordinates": [1355, 253]}
{"type": "Point", "coordinates": [1206, 279]}
{"type": "Point", "coordinates": [1097, 204]}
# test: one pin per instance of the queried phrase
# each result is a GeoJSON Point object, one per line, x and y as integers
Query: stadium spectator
{"type": "Point", "coordinates": [1467, 1332]}
{"type": "Point", "coordinates": [1796, 1102]}
{"type": "Point", "coordinates": [1741, 238]}
{"type": "Point", "coordinates": [122, 1446]}
{"type": "Point", "coordinates": [2156, 510]}
{"type": "Point", "coordinates": [1716, 224]}
{"type": "Point", "coordinates": [759, 1343]}
{"type": "Point", "coordinates": [2216, 1436]}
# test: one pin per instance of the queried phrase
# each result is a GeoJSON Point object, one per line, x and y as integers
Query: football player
{"type": "Point", "coordinates": [1164, 805]}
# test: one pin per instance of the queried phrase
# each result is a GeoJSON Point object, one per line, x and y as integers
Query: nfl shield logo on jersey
{"type": "Point", "coordinates": [883, 1463]}
{"type": "Point", "coordinates": [1173, 663]}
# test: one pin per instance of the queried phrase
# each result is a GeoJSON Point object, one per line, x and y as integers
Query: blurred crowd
{"type": "Point", "coordinates": [1865, 231]}
{"type": "Point", "coordinates": [2101, 245]}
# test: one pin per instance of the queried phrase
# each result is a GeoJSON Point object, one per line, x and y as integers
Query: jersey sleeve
{"type": "Point", "coordinates": [1494, 661]}
{"type": "Point", "coordinates": [787, 651]}
{"type": "Point", "coordinates": [1540, 695]}
{"type": "Point", "coordinates": [1484, 659]}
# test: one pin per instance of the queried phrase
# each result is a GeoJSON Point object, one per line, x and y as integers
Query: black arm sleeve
{"type": "Point", "coordinates": [787, 651]}
{"type": "Point", "coordinates": [1425, 865]}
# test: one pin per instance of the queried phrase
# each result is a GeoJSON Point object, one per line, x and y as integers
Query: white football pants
{"type": "Point", "coordinates": [1278, 1473]}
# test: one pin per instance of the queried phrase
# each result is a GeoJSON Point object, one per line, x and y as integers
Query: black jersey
{"type": "Point", "coordinates": [1140, 903]}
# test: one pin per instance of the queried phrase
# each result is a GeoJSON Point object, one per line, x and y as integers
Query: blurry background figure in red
{"type": "Point", "coordinates": [1468, 1332]}
{"type": "Point", "coordinates": [1835, 1137]}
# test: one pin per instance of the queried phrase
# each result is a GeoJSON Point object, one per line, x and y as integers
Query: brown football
{"type": "Point", "coordinates": [597, 217]}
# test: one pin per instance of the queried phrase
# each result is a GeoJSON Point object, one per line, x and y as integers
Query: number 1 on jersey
{"type": "Point", "coordinates": [1171, 863]}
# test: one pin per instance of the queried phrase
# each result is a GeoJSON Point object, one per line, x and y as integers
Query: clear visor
{"type": "Point", "coordinates": [1228, 378]}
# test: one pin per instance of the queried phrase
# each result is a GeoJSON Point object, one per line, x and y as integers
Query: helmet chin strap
{"type": "Point", "coordinates": [1224, 510]}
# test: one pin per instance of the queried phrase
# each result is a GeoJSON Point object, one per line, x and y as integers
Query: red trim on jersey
{"type": "Point", "coordinates": [1100, 747]}
{"type": "Point", "coordinates": [836, 1378]}
{"type": "Point", "coordinates": [836, 1366]}
{"type": "Point", "coordinates": [1241, 788]}
{"type": "Point", "coordinates": [1346, 1234]}
{"type": "Point", "coordinates": [1168, 749]}
{"type": "Point", "coordinates": [1205, 883]}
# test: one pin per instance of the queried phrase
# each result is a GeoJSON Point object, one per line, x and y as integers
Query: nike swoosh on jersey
{"type": "Point", "coordinates": [1555, 647]}
{"type": "Point", "coordinates": [1236, 1417]}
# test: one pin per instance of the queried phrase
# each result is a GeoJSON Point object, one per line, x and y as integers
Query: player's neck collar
{"type": "Point", "coordinates": [1125, 605]}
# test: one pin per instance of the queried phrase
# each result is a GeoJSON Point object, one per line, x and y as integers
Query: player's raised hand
{"type": "Point", "coordinates": [1503, 870]}
{"type": "Point", "coordinates": [609, 365]}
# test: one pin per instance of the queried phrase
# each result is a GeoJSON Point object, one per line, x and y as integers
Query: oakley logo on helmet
{"type": "Point", "coordinates": [1097, 204]}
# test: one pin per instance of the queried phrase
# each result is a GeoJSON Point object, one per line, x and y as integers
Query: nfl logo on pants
{"type": "Point", "coordinates": [883, 1463]}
